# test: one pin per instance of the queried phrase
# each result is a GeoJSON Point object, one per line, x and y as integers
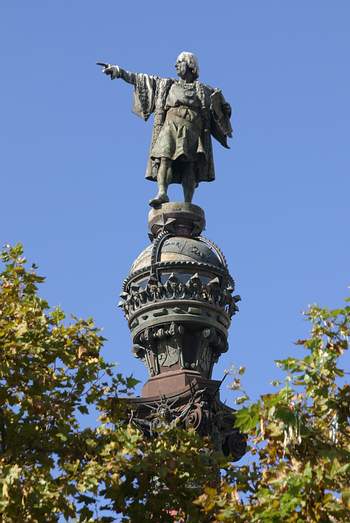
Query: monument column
{"type": "Point", "coordinates": [178, 297]}
{"type": "Point", "coordinates": [178, 300]}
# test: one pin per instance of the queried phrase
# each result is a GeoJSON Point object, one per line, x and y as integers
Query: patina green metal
{"type": "Point", "coordinates": [186, 114]}
{"type": "Point", "coordinates": [178, 297]}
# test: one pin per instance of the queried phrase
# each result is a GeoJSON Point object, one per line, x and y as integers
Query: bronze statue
{"type": "Point", "coordinates": [177, 297]}
{"type": "Point", "coordinates": [186, 114]}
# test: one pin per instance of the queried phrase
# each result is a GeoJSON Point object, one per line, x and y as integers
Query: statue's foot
{"type": "Point", "coordinates": [159, 199]}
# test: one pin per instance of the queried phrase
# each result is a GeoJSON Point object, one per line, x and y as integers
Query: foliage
{"type": "Point", "coordinates": [53, 380]}
{"type": "Point", "coordinates": [299, 438]}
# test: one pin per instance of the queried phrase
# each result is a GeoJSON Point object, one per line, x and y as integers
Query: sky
{"type": "Point", "coordinates": [73, 157]}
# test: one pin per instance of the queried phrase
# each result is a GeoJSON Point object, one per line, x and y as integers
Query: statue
{"type": "Point", "coordinates": [186, 114]}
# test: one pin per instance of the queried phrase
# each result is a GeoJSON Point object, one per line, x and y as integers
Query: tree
{"type": "Point", "coordinates": [299, 438]}
{"type": "Point", "coordinates": [52, 469]}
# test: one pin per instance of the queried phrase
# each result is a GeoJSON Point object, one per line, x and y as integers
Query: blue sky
{"type": "Point", "coordinates": [73, 156]}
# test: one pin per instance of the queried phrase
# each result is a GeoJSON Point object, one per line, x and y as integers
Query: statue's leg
{"type": "Point", "coordinates": [188, 181]}
{"type": "Point", "coordinates": [163, 177]}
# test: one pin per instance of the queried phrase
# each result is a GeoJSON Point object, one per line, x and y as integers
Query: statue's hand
{"type": "Point", "coordinates": [112, 70]}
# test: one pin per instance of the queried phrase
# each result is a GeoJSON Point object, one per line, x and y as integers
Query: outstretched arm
{"type": "Point", "coordinates": [114, 71]}
{"type": "Point", "coordinates": [145, 88]}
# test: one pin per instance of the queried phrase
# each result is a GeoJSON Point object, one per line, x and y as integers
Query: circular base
{"type": "Point", "coordinates": [180, 218]}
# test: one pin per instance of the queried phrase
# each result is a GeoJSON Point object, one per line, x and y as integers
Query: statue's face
{"type": "Point", "coordinates": [182, 68]}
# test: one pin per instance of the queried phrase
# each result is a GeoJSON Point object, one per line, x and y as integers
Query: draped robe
{"type": "Point", "coordinates": [150, 95]}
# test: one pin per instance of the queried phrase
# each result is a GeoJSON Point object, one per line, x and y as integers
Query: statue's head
{"type": "Point", "coordinates": [187, 63]}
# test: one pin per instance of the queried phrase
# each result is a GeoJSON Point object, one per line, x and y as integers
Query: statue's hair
{"type": "Point", "coordinates": [191, 60]}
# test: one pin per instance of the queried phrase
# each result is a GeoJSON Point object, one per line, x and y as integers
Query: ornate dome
{"type": "Point", "coordinates": [181, 249]}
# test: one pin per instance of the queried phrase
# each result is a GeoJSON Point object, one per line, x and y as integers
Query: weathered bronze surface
{"type": "Point", "coordinates": [194, 406]}
{"type": "Point", "coordinates": [166, 218]}
{"type": "Point", "coordinates": [178, 300]}
{"type": "Point", "coordinates": [186, 114]}
{"type": "Point", "coordinates": [178, 297]}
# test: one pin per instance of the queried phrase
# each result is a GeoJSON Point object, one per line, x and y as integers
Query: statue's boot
{"type": "Point", "coordinates": [159, 199]}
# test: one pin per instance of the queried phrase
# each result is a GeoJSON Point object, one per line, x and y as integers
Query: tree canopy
{"type": "Point", "coordinates": [55, 466]}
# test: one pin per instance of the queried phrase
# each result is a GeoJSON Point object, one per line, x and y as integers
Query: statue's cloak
{"type": "Point", "coordinates": [150, 94]}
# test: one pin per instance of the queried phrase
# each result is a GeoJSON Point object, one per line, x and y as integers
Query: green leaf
{"type": "Point", "coordinates": [83, 409]}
